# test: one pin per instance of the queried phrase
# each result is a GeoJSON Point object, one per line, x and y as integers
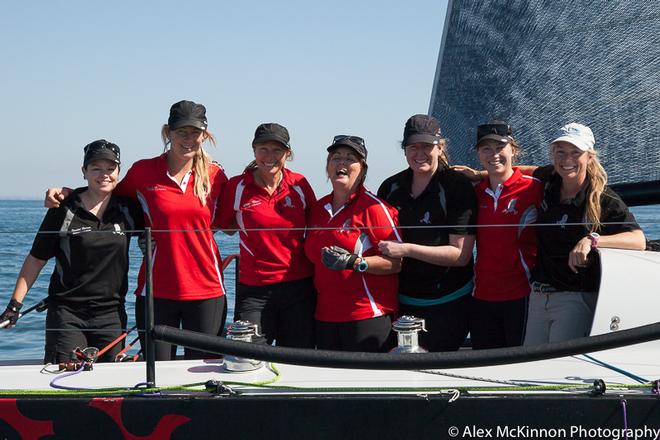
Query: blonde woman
{"type": "Point", "coordinates": [585, 214]}
{"type": "Point", "coordinates": [179, 192]}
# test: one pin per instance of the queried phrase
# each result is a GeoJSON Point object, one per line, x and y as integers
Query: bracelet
{"type": "Point", "coordinates": [594, 237]}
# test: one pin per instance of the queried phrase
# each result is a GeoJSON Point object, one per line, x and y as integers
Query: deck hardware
{"type": "Point", "coordinates": [407, 329]}
{"type": "Point", "coordinates": [599, 388]}
{"type": "Point", "coordinates": [614, 323]}
{"type": "Point", "coordinates": [218, 387]}
{"type": "Point", "coordinates": [242, 331]}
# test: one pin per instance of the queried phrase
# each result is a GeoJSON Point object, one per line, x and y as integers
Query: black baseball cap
{"type": "Point", "coordinates": [354, 142]}
{"type": "Point", "coordinates": [271, 132]}
{"type": "Point", "coordinates": [496, 130]}
{"type": "Point", "coordinates": [101, 149]}
{"type": "Point", "coordinates": [187, 114]}
{"type": "Point", "coordinates": [421, 128]}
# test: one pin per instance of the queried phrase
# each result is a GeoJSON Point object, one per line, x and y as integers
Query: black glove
{"type": "Point", "coordinates": [11, 314]}
{"type": "Point", "coordinates": [337, 258]}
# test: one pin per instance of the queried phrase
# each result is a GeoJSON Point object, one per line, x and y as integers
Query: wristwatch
{"type": "Point", "coordinates": [362, 265]}
{"type": "Point", "coordinates": [594, 239]}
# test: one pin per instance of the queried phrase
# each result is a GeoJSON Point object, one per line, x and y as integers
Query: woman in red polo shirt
{"type": "Point", "coordinates": [506, 244]}
{"type": "Point", "coordinates": [357, 286]}
{"type": "Point", "coordinates": [269, 203]}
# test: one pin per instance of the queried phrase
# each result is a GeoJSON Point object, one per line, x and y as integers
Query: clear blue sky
{"type": "Point", "coordinates": [75, 71]}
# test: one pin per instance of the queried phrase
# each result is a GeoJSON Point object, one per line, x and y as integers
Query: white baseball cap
{"type": "Point", "coordinates": [576, 134]}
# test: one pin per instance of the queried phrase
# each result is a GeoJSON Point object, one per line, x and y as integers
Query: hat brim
{"type": "Point", "coordinates": [102, 154]}
{"type": "Point", "coordinates": [271, 138]}
{"type": "Point", "coordinates": [188, 123]}
{"type": "Point", "coordinates": [359, 149]}
{"type": "Point", "coordinates": [493, 137]}
{"type": "Point", "coordinates": [421, 138]}
{"type": "Point", "coordinates": [573, 141]}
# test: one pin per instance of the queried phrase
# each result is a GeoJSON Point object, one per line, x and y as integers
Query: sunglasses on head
{"type": "Point", "coordinates": [343, 137]}
{"type": "Point", "coordinates": [101, 145]}
{"type": "Point", "coordinates": [498, 129]}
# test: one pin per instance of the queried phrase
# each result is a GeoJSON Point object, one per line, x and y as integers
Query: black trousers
{"type": "Point", "coordinates": [371, 335]}
{"type": "Point", "coordinates": [68, 328]}
{"type": "Point", "coordinates": [284, 312]}
{"type": "Point", "coordinates": [447, 324]}
{"type": "Point", "coordinates": [496, 324]}
{"type": "Point", "coordinates": [204, 316]}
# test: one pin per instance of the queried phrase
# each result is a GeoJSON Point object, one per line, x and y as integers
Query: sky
{"type": "Point", "coordinates": [76, 71]}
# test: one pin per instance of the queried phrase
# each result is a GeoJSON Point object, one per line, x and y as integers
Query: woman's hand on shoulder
{"type": "Point", "coordinates": [470, 173]}
{"type": "Point", "coordinates": [55, 195]}
{"type": "Point", "coordinates": [578, 257]}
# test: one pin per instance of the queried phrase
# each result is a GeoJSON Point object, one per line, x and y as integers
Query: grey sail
{"type": "Point", "coordinates": [541, 64]}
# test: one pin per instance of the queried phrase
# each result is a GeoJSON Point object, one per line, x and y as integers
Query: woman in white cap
{"type": "Point", "coordinates": [356, 284]}
{"type": "Point", "coordinates": [269, 204]}
{"type": "Point", "coordinates": [437, 205]}
{"type": "Point", "coordinates": [179, 192]}
{"type": "Point", "coordinates": [588, 215]}
{"type": "Point", "coordinates": [89, 238]}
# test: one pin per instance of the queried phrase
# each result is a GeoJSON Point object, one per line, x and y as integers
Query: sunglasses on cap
{"type": "Point", "coordinates": [101, 145]}
{"type": "Point", "coordinates": [503, 130]}
{"type": "Point", "coordinates": [343, 137]}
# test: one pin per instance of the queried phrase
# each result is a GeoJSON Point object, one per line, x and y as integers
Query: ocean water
{"type": "Point", "coordinates": [19, 220]}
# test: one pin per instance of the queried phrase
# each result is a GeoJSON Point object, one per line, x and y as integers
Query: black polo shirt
{"type": "Point", "coordinates": [91, 255]}
{"type": "Point", "coordinates": [555, 242]}
{"type": "Point", "coordinates": [449, 199]}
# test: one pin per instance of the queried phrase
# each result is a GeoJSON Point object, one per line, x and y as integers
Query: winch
{"type": "Point", "coordinates": [242, 331]}
{"type": "Point", "coordinates": [407, 329]}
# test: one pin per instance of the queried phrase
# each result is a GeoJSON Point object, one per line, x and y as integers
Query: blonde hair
{"type": "Point", "coordinates": [597, 177]}
{"type": "Point", "coordinates": [201, 163]}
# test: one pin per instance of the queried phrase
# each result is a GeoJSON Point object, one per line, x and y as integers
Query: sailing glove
{"type": "Point", "coordinates": [11, 314]}
{"type": "Point", "coordinates": [337, 258]}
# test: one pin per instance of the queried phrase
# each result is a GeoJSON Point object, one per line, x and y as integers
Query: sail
{"type": "Point", "coordinates": [540, 64]}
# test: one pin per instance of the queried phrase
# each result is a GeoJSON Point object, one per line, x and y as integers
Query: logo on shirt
{"type": "Point", "coordinates": [346, 226]}
{"type": "Point", "coordinates": [156, 188]}
{"type": "Point", "coordinates": [562, 222]}
{"type": "Point", "coordinates": [511, 207]}
{"type": "Point", "coordinates": [117, 230]}
{"type": "Point", "coordinates": [75, 231]}
{"type": "Point", "coordinates": [287, 202]}
{"type": "Point", "coordinates": [251, 204]}
{"type": "Point", "coordinates": [426, 219]}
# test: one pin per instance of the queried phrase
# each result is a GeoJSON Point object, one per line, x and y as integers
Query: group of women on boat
{"type": "Point", "coordinates": [334, 273]}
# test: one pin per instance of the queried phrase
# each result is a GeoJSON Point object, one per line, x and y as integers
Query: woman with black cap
{"type": "Point", "coordinates": [435, 282]}
{"type": "Point", "coordinates": [88, 286]}
{"type": "Point", "coordinates": [179, 192]}
{"type": "Point", "coordinates": [356, 285]}
{"type": "Point", "coordinates": [269, 203]}
{"type": "Point", "coordinates": [505, 253]}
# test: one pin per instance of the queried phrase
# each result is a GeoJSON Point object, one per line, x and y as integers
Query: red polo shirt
{"type": "Point", "coordinates": [272, 227]}
{"type": "Point", "coordinates": [358, 227]}
{"type": "Point", "coordinates": [506, 254]}
{"type": "Point", "coordinates": [186, 261]}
